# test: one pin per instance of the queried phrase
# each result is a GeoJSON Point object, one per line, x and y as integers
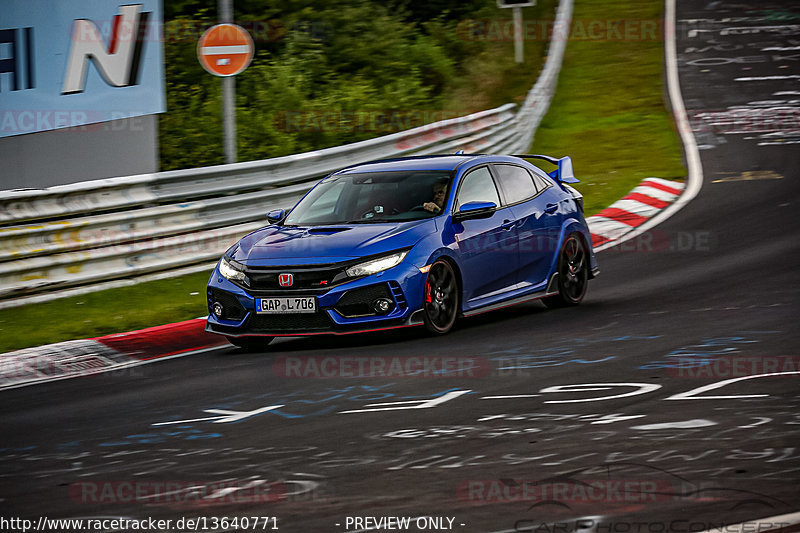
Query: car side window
{"type": "Point", "coordinates": [542, 182]}
{"type": "Point", "coordinates": [517, 183]}
{"type": "Point", "coordinates": [478, 186]}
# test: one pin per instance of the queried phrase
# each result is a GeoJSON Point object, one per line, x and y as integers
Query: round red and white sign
{"type": "Point", "coordinates": [225, 49]}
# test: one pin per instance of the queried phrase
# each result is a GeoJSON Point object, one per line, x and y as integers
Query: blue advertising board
{"type": "Point", "coordinates": [69, 64]}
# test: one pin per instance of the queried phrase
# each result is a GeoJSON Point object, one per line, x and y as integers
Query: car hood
{"type": "Point", "coordinates": [280, 245]}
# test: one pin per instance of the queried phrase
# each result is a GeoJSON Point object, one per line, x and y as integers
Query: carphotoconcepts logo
{"type": "Point", "coordinates": [596, 525]}
{"type": "Point", "coordinates": [316, 367]}
{"type": "Point", "coordinates": [177, 492]}
{"type": "Point", "coordinates": [734, 366]}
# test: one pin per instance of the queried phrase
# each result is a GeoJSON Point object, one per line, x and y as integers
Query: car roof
{"type": "Point", "coordinates": [427, 162]}
{"type": "Point", "coordinates": [448, 162]}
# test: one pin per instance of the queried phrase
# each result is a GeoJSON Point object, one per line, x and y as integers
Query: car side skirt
{"type": "Point", "coordinates": [552, 289]}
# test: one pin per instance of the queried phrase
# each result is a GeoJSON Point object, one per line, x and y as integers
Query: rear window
{"type": "Point", "coordinates": [516, 182]}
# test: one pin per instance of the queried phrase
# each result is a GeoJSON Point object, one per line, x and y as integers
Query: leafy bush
{"type": "Point", "coordinates": [327, 72]}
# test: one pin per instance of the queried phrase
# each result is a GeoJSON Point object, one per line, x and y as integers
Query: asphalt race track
{"type": "Point", "coordinates": [664, 436]}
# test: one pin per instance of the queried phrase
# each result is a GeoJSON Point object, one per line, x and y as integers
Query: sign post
{"type": "Point", "coordinates": [225, 50]}
{"type": "Point", "coordinates": [519, 56]}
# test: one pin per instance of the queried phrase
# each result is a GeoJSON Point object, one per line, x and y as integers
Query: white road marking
{"type": "Point", "coordinates": [224, 416]}
{"type": "Point", "coordinates": [510, 396]}
{"type": "Point", "coordinates": [769, 78]}
{"type": "Point", "coordinates": [684, 424]}
{"type": "Point", "coordinates": [642, 388]}
{"type": "Point", "coordinates": [692, 394]}
{"type": "Point", "coordinates": [413, 404]}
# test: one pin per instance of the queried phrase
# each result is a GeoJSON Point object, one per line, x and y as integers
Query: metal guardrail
{"type": "Point", "coordinates": [84, 233]}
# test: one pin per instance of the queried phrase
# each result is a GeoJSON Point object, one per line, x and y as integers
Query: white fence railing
{"type": "Point", "coordinates": [84, 233]}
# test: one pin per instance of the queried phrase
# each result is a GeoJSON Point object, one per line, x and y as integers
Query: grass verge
{"type": "Point", "coordinates": [608, 113]}
{"type": "Point", "coordinates": [99, 313]}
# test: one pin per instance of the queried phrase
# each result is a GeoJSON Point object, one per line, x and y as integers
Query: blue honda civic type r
{"type": "Point", "coordinates": [404, 242]}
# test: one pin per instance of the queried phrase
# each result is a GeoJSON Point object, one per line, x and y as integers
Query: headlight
{"type": "Point", "coordinates": [375, 265]}
{"type": "Point", "coordinates": [231, 271]}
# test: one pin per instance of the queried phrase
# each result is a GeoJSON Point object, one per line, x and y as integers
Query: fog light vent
{"type": "Point", "coordinates": [382, 305]}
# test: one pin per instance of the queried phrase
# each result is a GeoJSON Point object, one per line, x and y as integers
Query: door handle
{"type": "Point", "coordinates": [507, 224]}
{"type": "Point", "coordinates": [551, 208]}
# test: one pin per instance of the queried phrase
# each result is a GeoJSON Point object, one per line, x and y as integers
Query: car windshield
{"type": "Point", "coordinates": [373, 197]}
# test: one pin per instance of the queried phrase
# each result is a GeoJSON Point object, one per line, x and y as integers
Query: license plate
{"type": "Point", "coordinates": [285, 305]}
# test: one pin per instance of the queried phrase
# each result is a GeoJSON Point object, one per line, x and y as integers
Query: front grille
{"type": "Point", "coordinates": [232, 309]}
{"type": "Point", "coordinates": [318, 321]}
{"type": "Point", "coordinates": [358, 302]}
{"type": "Point", "coordinates": [318, 278]}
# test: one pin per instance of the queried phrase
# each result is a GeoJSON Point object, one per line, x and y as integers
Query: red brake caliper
{"type": "Point", "coordinates": [427, 292]}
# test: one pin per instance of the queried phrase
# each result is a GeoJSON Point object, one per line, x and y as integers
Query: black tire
{"type": "Point", "coordinates": [250, 344]}
{"type": "Point", "coordinates": [441, 298]}
{"type": "Point", "coordinates": [573, 273]}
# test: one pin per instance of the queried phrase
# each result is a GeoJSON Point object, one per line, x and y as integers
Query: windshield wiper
{"type": "Point", "coordinates": [369, 221]}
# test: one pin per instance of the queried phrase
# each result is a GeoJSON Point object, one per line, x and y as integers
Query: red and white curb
{"type": "Point", "coordinates": [85, 357]}
{"type": "Point", "coordinates": [624, 216]}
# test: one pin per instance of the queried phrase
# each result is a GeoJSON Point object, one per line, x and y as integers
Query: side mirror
{"type": "Point", "coordinates": [276, 215]}
{"type": "Point", "coordinates": [473, 210]}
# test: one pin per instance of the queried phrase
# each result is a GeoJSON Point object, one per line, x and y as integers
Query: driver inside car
{"type": "Point", "coordinates": [437, 203]}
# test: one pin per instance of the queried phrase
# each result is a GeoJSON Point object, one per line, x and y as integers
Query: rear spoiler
{"type": "Point", "coordinates": [563, 173]}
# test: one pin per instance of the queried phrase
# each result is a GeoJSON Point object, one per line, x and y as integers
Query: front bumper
{"type": "Point", "coordinates": [342, 309]}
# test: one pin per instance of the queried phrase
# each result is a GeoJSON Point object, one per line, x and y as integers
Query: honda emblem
{"type": "Point", "coordinates": [285, 280]}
